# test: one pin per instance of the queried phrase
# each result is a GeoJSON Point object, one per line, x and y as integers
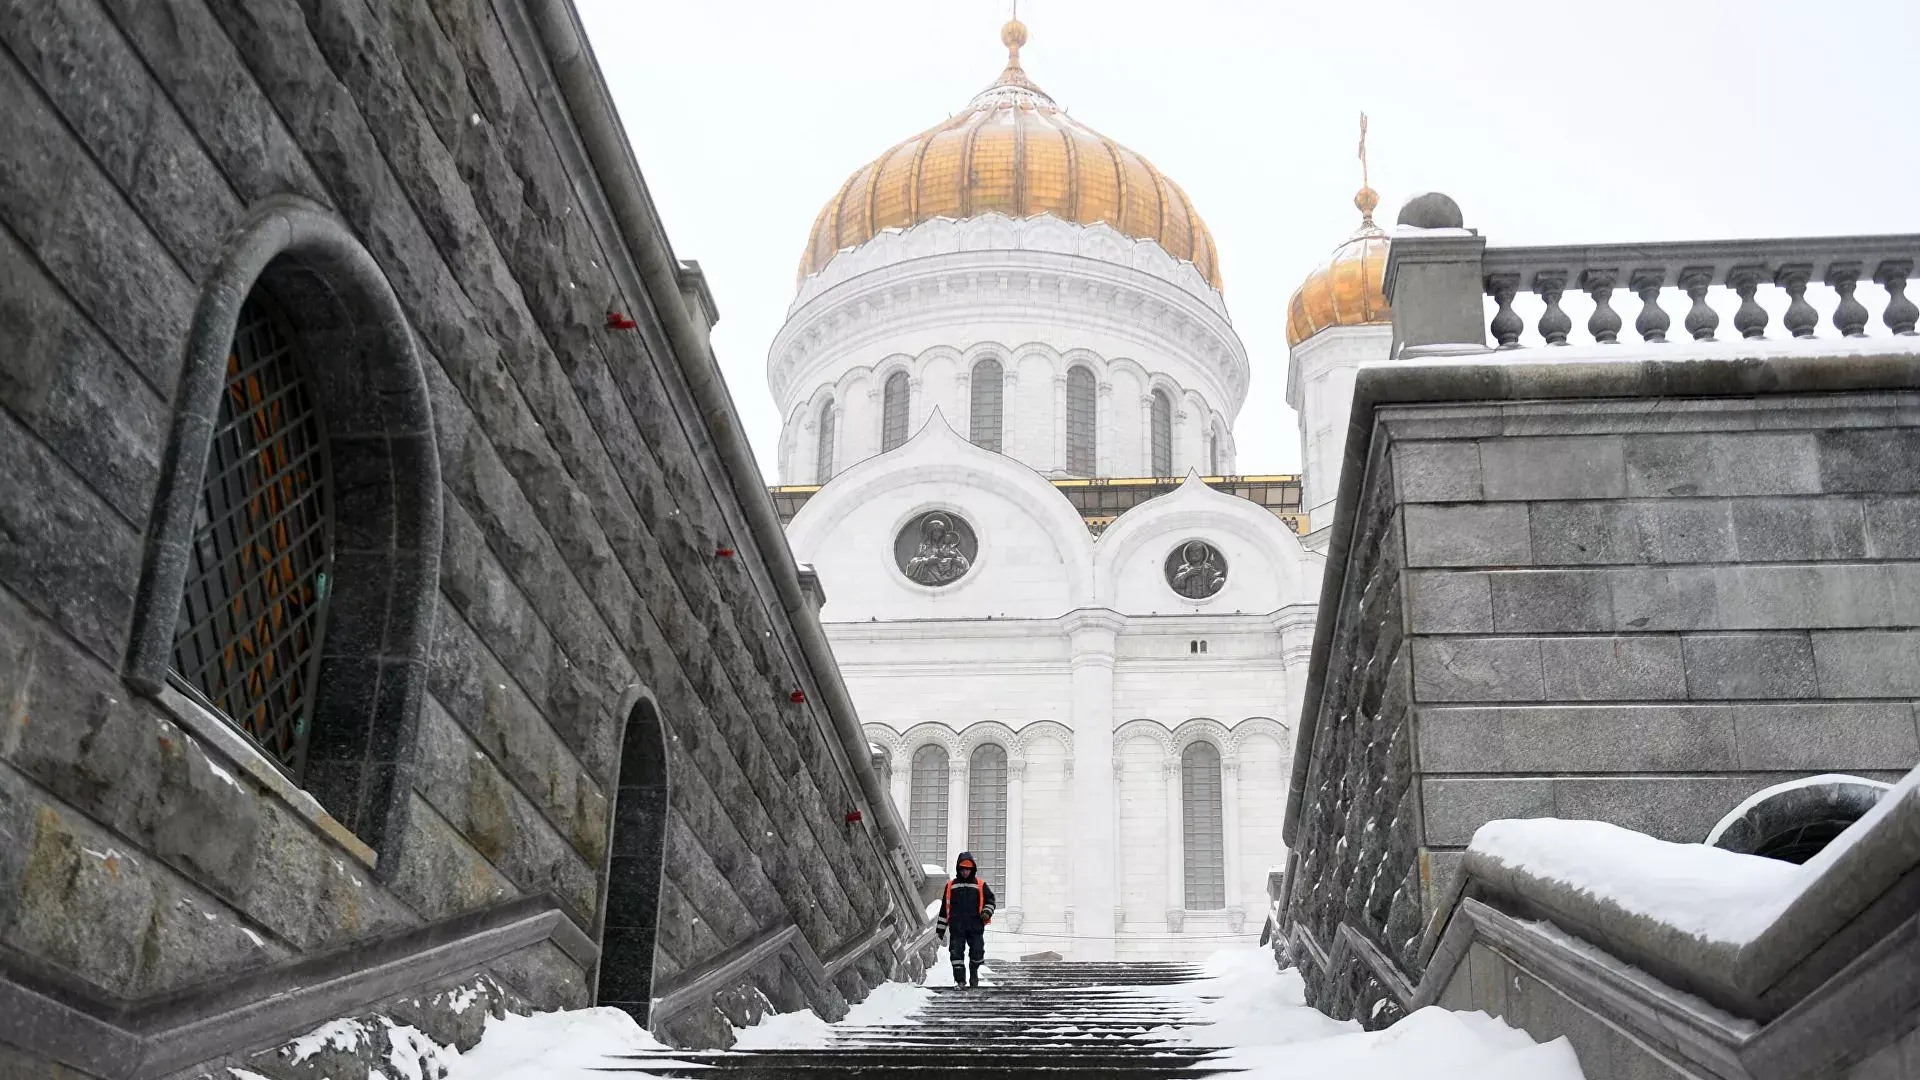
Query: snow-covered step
{"type": "Point", "coordinates": [1060, 1021]}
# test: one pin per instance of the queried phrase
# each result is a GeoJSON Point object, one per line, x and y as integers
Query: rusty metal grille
{"type": "Point", "coordinates": [255, 604]}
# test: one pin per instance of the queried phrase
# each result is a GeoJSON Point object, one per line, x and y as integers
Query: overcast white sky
{"type": "Point", "coordinates": [1548, 122]}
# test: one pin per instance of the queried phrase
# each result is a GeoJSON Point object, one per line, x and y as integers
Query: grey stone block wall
{"type": "Point", "coordinates": [1644, 615]}
{"type": "Point", "coordinates": [582, 503]}
{"type": "Point", "coordinates": [1628, 610]}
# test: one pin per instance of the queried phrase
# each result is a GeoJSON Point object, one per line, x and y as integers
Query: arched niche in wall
{"type": "Point", "coordinates": [299, 375]}
{"type": "Point", "coordinates": [1793, 821]}
{"type": "Point", "coordinates": [636, 856]}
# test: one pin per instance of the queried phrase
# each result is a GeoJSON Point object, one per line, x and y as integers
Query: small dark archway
{"type": "Point", "coordinates": [636, 857]}
{"type": "Point", "coordinates": [1792, 822]}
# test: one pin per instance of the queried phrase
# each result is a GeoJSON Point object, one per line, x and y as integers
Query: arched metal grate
{"type": "Point", "coordinates": [987, 810]}
{"type": "Point", "coordinates": [254, 609]}
{"type": "Point", "coordinates": [1162, 434]}
{"type": "Point", "coordinates": [823, 468]}
{"type": "Point", "coordinates": [927, 804]}
{"type": "Point", "coordinates": [984, 415]}
{"type": "Point", "coordinates": [1202, 831]}
{"type": "Point", "coordinates": [893, 411]}
{"type": "Point", "coordinates": [1081, 456]}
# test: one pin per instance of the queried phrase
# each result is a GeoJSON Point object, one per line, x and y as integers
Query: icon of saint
{"type": "Point", "coordinates": [938, 560]}
{"type": "Point", "coordinates": [1198, 576]}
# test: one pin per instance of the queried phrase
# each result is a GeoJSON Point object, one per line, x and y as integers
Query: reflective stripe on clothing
{"type": "Point", "coordinates": [982, 903]}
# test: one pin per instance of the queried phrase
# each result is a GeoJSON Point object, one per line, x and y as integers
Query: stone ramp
{"type": "Point", "coordinates": [1062, 1021]}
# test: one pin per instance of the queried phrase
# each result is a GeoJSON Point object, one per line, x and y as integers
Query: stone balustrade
{"type": "Point", "coordinates": [1438, 273]}
{"type": "Point", "coordinates": [1694, 270]}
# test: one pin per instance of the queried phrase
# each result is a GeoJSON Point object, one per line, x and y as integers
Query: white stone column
{"type": "Point", "coordinates": [1092, 634]}
{"type": "Point", "coordinates": [1013, 435]}
{"type": "Point", "coordinates": [902, 772]}
{"type": "Point", "coordinates": [963, 404]}
{"type": "Point", "coordinates": [1183, 457]}
{"type": "Point", "coordinates": [1060, 422]}
{"type": "Point", "coordinates": [1176, 846]}
{"type": "Point", "coordinates": [1146, 435]}
{"type": "Point", "coordinates": [1016, 811]}
{"type": "Point", "coordinates": [956, 809]}
{"type": "Point", "coordinates": [916, 404]}
{"type": "Point", "coordinates": [1230, 825]}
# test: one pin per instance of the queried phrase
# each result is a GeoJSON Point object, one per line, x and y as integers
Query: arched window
{"type": "Point", "coordinates": [823, 454]}
{"type": "Point", "coordinates": [1201, 829]}
{"type": "Point", "coordinates": [1081, 459]}
{"type": "Point", "coordinates": [893, 412]}
{"type": "Point", "coordinates": [987, 810]}
{"type": "Point", "coordinates": [1213, 455]}
{"type": "Point", "coordinates": [295, 533]}
{"type": "Point", "coordinates": [261, 555]}
{"type": "Point", "coordinates": [927, 804]}
{"type": "Point", "coordinates": [984, 411]}
{"type": "Point", "coordinates": [1162, 434]}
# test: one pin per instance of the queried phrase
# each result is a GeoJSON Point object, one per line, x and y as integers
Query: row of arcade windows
{"type": "Point", "coordinates": [986, 418]}
{"type": "Point", "coordinates": [1203, 843]}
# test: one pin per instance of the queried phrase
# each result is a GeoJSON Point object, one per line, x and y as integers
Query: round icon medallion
{"type": "Point", "coordinates": [936, 548]}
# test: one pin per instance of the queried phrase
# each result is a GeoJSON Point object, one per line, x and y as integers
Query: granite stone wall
{"type": "Point", "coordinates": [1638, 611]}
{"type": "Point", "coordinates": [581, 506]}
{"type": "Point", "coordinates": [1356, 849]}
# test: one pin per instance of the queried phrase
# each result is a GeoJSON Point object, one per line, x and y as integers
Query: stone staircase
{"type": "Point", "coordinates": [1061, 1021]}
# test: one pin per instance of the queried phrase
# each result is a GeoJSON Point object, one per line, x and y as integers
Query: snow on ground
{"type": "Point", "coordinates": [1244, 1004]}
{"type": "Point", "coordinates": [554, 1046]}
{"type": "Point", "coordinates": [889, 1003]}
{"type": "Point", "coordinates": [1262, 1014]}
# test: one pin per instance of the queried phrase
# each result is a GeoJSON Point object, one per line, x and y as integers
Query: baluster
{"type": "Point", "coordinates": [1506, 323]}
{"type": "Point", "coordinates": [1554, 323]}
{"type": "Point", "coordinates": [1653, 321]}
{"type": "Point", "coordinates": [1851, 315]}
{"type": "Point", "coordinates": [1751, 319]}
{"type": "Point", "coordinates": [1604, 323]}
{"type": "Point", "coordinates": [1901, 313]}
{"type": "Point", "coordinates": [1800, 318]}
{"type": "Point", "coordinates": [1702, 320]}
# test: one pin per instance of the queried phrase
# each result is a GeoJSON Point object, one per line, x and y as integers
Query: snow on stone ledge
{"type": "Point", "coordinates": [1718, 896]}
{"type": "Point", "coordinates": [1697, 889]}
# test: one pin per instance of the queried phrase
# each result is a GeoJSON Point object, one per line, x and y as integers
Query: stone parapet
{"type": "Point", "coordinates": [1633, 590]}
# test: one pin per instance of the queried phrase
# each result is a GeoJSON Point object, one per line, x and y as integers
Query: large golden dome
{"type": "Point", "coordinates": [1349, 289]}
{"type": "Point", "coordinates": [1015, 152]}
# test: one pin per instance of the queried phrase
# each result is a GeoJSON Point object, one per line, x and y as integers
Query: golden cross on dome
{"type": "Point", "coordinates": [1366, 198]}
{"type": "Point", "coordinates": [1363, 140]}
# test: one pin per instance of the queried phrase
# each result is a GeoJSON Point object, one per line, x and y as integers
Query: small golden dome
{"type": "Point", "coordinates": [1012, 151]}
{"type": "Point", "coordinates": [1349, 289]}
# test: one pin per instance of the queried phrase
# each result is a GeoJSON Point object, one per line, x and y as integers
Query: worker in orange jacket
{"type": "Point", "coordinates": [966, 907]}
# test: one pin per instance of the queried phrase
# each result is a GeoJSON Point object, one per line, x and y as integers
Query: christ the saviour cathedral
{"type": "Point", "coordinates": [1009, 344]}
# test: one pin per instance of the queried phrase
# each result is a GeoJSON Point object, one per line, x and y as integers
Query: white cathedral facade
{"type": "Point", "coordinates": [1102, 711]}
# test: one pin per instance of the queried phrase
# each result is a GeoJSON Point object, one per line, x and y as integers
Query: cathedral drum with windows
{"type": "Point", "coordinates": [1077, 639]}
